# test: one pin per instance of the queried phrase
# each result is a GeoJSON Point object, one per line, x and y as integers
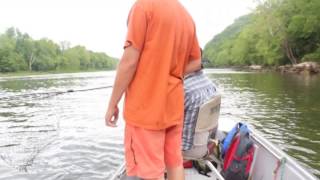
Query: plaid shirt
{"type": "Point", "coordinates": [198, 90]}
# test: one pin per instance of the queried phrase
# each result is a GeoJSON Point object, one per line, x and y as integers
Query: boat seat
{"type": "Point", "coordinates": [206, 127]}
{"type": "Point", "coordinates": [208, 115]}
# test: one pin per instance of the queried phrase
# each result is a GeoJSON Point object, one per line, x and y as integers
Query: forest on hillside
{"type": "Point", "coordinates": [277, 32]}
{"type": "Point", "coordinates": [19, 52]}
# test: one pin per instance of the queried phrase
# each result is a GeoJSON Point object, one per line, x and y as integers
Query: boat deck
{"type": "Point", "coordinates": [190, 174]}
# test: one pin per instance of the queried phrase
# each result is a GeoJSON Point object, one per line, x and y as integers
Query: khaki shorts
{"type": "Point", "coordinates": [149, 152]}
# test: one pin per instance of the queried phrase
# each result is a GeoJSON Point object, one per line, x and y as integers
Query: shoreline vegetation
{"type": "Point", "coordinates": [305, 68]}
{"type": "Point", "coordinates": [32, 73]}
{"type": "Point", "coordinates": [22, 54]}
{"type": "Point", "coordinates": [283, 34]}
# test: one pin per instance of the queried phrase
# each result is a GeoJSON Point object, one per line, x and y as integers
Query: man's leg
{"type": "Point", "coordinates": [172, 153]}
{"type": "Point", "coordinates": [176, 173]}
{"type": "Point", "coordinates": [144, 152]}
{"type": "Point", "coordinates": [155, 179]}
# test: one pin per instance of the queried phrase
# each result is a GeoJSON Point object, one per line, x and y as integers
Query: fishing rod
{"type": "Point", "coordinates": [55, 93]}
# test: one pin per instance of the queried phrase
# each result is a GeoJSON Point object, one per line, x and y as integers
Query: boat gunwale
{"type": "Point", "coordinates": [279, 154]}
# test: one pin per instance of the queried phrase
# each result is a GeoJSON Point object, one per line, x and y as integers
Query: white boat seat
{"type": "Point", "coordinates": [208, 115]}
{"type": "Point", "coordinates": [207, 123]}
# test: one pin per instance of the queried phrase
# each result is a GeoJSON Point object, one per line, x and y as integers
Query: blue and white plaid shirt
{"type": "Point", "coordinates": [198, 89]}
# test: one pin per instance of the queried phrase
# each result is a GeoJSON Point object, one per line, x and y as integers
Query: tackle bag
{"type": "Point", "coordinates": [239, 155]}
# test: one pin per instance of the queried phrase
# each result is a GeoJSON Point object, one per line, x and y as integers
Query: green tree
{"type": "Point", "coordinates": [19, 52]}
{"type": "Point", "coordinates": [10, 60]}
{"type": "Point", "coordinates": [25, 46]}
{"type": "Point", "coordinates": [46, 53]}
{"type": "Point", "coordinates": [277, 32]}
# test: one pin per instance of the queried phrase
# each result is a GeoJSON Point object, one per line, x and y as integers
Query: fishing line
{"type": "Point", "coordinates": [50, 94]}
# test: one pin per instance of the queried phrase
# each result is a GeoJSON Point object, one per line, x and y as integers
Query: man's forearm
{"type": "Point", "coordinates": [123, 78]}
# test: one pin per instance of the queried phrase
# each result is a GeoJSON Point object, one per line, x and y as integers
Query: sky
{"type": "Point", "coordinates": [100, 25]}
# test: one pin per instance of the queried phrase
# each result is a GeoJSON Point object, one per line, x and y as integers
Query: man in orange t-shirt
{"type": "Point", "coordinates": [161, 43]}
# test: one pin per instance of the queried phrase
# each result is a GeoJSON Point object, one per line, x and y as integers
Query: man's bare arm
{"type": "Point", "coordinates": [194, 65]}
{"type": "Point", "coordinates": [125, 73]}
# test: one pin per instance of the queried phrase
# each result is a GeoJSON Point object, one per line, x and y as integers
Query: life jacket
{"type": "Point", "coordinates": [239, 156]}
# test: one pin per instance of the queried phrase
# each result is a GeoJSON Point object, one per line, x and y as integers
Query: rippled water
{"type": "Point", "coordinates": [64, 136]}
{"type": "Point", "coordinates": [285, 108]}
{"type": "Point", "coordinates": [58, 137]}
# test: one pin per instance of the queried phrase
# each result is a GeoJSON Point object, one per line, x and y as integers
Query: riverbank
{"type": "Point", "coordinates": [301, 68]}
{"type": "Point", "coordinates": [28, 73]}
{"type": "Point", "coordinates": [305, 68]}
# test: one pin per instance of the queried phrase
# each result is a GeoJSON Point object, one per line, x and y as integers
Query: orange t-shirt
{"type": "Point", "coordinates": [164, 33]}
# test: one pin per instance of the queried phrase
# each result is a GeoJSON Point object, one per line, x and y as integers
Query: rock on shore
{"type": "Point", "coordinates": [255, 67]}
{"type": "Point", "coordinates": [302, 68]}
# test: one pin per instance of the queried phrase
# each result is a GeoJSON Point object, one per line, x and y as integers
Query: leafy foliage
{"type": "Point", "coordinates": [19, 52]}
{"type": "Point", "coordinates": [277, 32]}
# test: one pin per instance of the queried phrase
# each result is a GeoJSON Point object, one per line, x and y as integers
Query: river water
{"type": "Point", "coordinates": [47, 136]}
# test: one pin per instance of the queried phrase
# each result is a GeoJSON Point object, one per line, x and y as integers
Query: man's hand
{"type": "Point", "coordinates": [112, 116]}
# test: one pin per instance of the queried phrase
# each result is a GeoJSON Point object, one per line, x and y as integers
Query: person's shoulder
{"type": "Point", "coordinates": [144, 5]}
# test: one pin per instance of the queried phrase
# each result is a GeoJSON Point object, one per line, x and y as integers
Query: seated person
{"type": "Point", "coordinates": [198, 90]}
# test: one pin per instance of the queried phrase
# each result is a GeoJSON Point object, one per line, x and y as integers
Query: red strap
{"type": "Point", "coordinates": [231, 152]}
{"type": "Point", "coordinates": [250, 159]}
{"type": "Point", "coordinates": [187, 164]}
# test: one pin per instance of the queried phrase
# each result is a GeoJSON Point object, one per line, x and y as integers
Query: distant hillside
{"type": "Point", "coordinates": [277, 32]}
{"type": "Point", "coordinates": [19, 52]}
{"type": "Point", "coordinates": [220, 41]}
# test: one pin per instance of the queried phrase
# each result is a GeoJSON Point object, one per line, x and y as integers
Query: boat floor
{"type": "Point", "coordinates": [190, 174]}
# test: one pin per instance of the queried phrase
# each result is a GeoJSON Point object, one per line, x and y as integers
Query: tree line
{"type": "Point", "coordinates": [19, 52]}
{"type": "Point", "coordinates": [277, 32]}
